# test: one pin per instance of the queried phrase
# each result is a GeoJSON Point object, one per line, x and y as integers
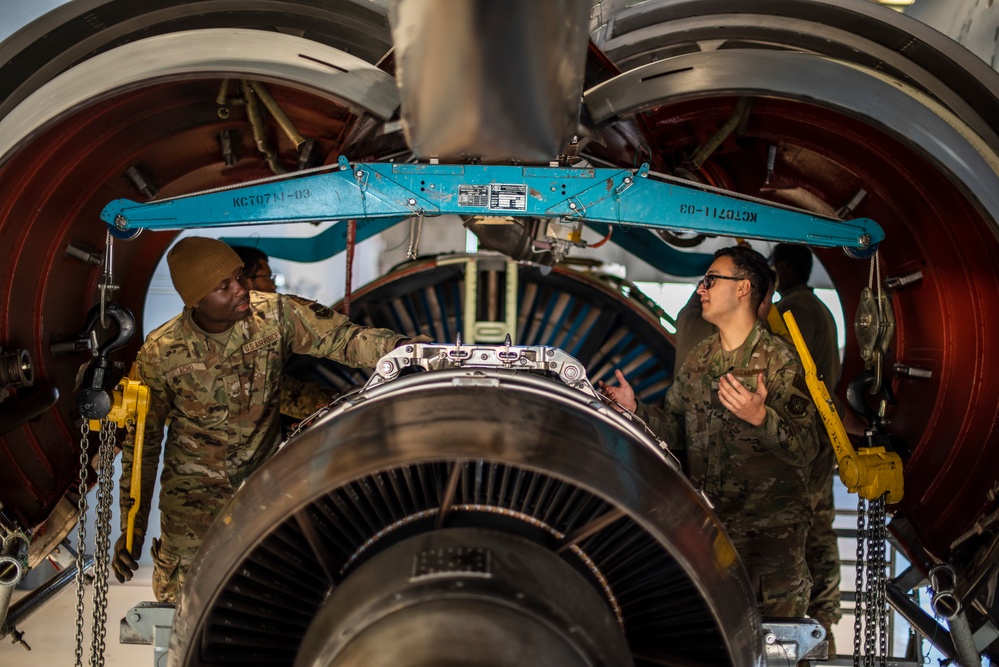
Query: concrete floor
{"type": "Point", "coordinates": [51, 633]}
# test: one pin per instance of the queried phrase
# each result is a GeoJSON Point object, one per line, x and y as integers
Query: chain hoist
{"type": "Point", "coordinates": [81, 541]}
{"type": "Point", "coordinates": [874, 326]}
{"type": "Point", "coordinates": [870, 622]}
{"type": "Point", "coordinates": [870, 472]}
{"type": "Point", "coordinates": [101, 402]}
{"type": "Point", "coordinates": [875, 475]}
{"type": "Point", "coordinates": [102, 537]}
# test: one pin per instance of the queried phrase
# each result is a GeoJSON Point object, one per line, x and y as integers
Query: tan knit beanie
{"type": "Point", "coordinates": [197, 264]}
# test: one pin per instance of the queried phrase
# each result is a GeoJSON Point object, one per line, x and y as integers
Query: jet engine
{"type": "Point", "coordinates": [491, 511]}
{"type": "Point", "coordinates": [837, 106]}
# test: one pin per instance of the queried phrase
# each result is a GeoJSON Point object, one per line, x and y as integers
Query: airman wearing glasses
{"type": "Point", "coordinates": [257, 274]}
{"type": "Point", "coordinates": [740, 416]}
{"type": "Point", "coordinates": [691, 328]}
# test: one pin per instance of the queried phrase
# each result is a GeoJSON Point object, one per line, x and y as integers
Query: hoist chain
{"type": "Point", "coordinates": [870, 622]}
{"type": "Point", "coordinates": [861, 603]}
{"type": "Point", "coordinates": [81, 541]}
{"type": "Point", "coordinates": [102, 550]}
{"type": "Point", "coordinates": [880, 537]}
{"type": "Point", "coordinates": [102, 540]}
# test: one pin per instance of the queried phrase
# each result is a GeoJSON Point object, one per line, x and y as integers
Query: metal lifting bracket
{"type": "Point", "coordinates": [385, 191]}
{"type": "Point", "coordinates": [436, 356]}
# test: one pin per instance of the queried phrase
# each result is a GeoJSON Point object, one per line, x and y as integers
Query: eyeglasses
{"type": "Point", "coordinates": [708, 281]}
{"type": "Point", "coordinates": [258, 276]}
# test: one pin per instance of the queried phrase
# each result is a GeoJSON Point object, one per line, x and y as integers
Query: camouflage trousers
{"type": "Point", "coordinates": [775, 561]}
{"type": "Point", "coordinates": [185, 518]}
{"type": "Point", "coordinates": [821, 549]}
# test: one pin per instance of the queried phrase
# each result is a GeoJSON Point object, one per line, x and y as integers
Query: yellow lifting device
{"type": "Point", "coordinates": [130, 403]}
{"type": "Point", "coordinates": [871, 472]}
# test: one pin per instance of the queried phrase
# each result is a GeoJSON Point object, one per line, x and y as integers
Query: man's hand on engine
{"type": "Point", "coordinates": [422, 338]}
{"type": "Point", "coordinates": [124, 563]}
{"type": "Point", "coordinates": [623, 395]}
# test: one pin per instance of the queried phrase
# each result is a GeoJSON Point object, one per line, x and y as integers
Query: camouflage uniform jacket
{"type": "Point", "coordinates": [222, 404]}
{"type": "Point", "coordinates": [300, 399]}
{"type": "Point", "coordinates": [754, 475]}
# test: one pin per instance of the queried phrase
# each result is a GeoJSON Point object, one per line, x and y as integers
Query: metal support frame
{"type": "Point", "coordinates": [13, 565]}
{"type": "Point", "coordinates": [380, 191]}
{"type": "Point", "coordinates": [786, 641]}
{"type": "Point", "coordinates": [34, 601]}
{"type": "Point", "coordinates": [149, 623]}
{"type": "Point", "coordinates": [934, 633]}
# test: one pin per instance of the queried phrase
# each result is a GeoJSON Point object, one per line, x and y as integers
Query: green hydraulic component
{"type": "Point", "coordinates": [490, 308]}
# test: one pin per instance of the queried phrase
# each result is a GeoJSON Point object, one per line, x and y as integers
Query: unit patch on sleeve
{"type": "Point", "coordinates": [321, 311]}
{"type": "Point", "coordinates": [797, 405]}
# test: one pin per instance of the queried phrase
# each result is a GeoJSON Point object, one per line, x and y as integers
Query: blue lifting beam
{"type": "Point", "coordinates": [391, 192]}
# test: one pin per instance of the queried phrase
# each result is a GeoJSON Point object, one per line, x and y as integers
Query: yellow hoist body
{"type": "Point", "coordinates": [871, 472]}
{"type": "Point", "coordinates": [130, 403]}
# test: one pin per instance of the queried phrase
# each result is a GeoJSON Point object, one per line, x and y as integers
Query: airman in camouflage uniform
{"type": "Point", "coordinates": [742, 421]}
{"type": "Point", "coordinates": [219, 394]}
{"type": "Point", "coordinates": [818, 329]}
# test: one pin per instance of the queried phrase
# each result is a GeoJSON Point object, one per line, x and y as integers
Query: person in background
{"type": "Point", "coordinates": [793, 264]}
{"type": "Point", "coordinates": [740, 415]}
{"type": "Point", "coordinates": [214, 374]}
{"type": "Point", "coordinates": [299, 399]}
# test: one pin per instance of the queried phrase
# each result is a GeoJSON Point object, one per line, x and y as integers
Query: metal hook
{"type": "Point", "coordinates": [101, 375]}
{"type": "Point", "coordinates": [121, 316]}
{"type": "Point", "coordinates": [859, 387]}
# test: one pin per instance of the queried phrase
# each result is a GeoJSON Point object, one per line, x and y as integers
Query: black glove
{"type": "Point", "coordinates": [124, 563]}
{"type": "Point", "coordinates": [422, 338]}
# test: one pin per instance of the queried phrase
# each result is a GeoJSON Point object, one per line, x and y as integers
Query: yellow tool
{"type": "Point", "coordinates": [777, 325]}
{"type": "Point", "coordinates": [130, 401]}
{"type": "Point", "coordinates": [871, 472]}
